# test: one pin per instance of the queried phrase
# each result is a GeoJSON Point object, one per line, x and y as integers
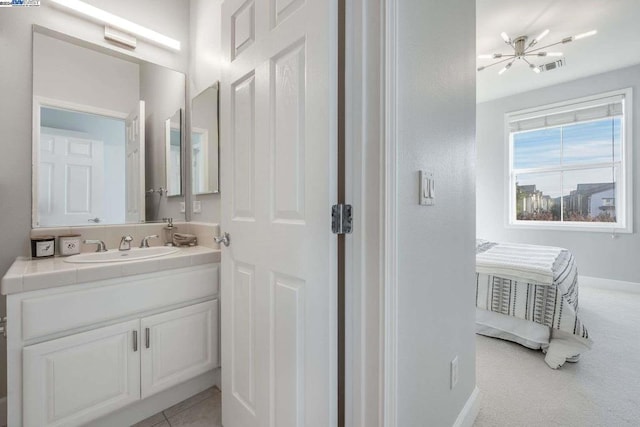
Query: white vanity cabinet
{"type": "Point", "coordinates": [75, 379]}
{"type": "Point", "coordinates": [87, 353]}
{"type": "Point", "coordinates": [178, 345]}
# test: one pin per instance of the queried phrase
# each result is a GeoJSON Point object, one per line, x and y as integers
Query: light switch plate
{"type": "Point", "coordinates": [197, 206]}
{"type": "Point", "coordinates": [182, 207]}
{"type": "Point", "coordinates": [427, 189]}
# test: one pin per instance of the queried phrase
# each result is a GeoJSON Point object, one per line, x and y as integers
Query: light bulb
{"type": "Point", "coordinates": [587, 34]}
{"type": "Point", "coordinates": [505, 37]}
{"type": "Point", "coordinates": [554, 54]}
{"type": "Point", "coordinates": [485, 56]}
{"type": "Point", "coordinates": [506, 67]}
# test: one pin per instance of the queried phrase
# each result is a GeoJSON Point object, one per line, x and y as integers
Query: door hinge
{"type": "Point", "coordinates": [3, 326]}
{"type": "Point", "coordinates": [341, 219]}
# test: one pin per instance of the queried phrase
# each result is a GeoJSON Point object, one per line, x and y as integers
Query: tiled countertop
{"type": "Point", "coordinates": [26, 274]}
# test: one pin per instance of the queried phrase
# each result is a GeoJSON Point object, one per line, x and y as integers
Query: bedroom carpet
{"type": "Point", "coordinates": [519, 390]}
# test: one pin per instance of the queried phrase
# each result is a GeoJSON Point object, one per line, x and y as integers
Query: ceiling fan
{"type": "Point", "coordinates": [522, 50]}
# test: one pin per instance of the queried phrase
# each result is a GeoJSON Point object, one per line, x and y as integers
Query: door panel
{"type": "Point", "coordinates": [70, 178]}
{"type": "Point", "coordinates": [278, 163]}
{"type": "Point", "coordinates": [76, 379]}
{"type": "Point", "coordinates": [178, 345]}
{"type": "Point", "coordinates": [134, 170]}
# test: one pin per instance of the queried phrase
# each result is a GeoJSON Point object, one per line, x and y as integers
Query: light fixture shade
{"type": "Point", "coordinates": [587, 34]}
{"type": "Point", "coordinates": [119, 23]}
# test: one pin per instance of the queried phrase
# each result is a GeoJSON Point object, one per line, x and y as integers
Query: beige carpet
{"type": "Point", "coordinates": [602, 389]}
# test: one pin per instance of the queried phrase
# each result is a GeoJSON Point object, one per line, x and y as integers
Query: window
{"type": "Point", "coordinates": [570, 164]}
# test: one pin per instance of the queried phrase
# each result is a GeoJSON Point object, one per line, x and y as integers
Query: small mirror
{"type": "Point", "coordinates": [173, 144]}
{"type": "Point", "coordinates": [204, 142]}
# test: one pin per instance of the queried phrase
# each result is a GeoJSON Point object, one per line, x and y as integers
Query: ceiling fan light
{"type": "Point", "coordinates": [542, 35]}
{"type": "Point", "coordinates": [505, 37]}
{"type": "Point", "coordinates": [587, 34]}
{"type": "Point", "coordinates": [506, 67]}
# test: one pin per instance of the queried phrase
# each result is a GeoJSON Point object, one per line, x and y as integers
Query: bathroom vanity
{"type": "Point", "coordinates": [110, 343]}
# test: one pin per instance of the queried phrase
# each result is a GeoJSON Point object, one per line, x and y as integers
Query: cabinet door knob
{"type": "Point", "coordinates": [147, 337]}
{"type": "Point", "coordinates": [135, 341]}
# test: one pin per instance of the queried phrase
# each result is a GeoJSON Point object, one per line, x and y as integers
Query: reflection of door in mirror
{"type": "Point", "coordinates": [77, 151]}
{"type": "Point", "coordinates": [204, 142]}
{"type": "Point", "coordinates": [173, 156]}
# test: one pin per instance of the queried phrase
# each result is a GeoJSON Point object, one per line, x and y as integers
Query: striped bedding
{"type": "Point", "coordinates": [537, 284]}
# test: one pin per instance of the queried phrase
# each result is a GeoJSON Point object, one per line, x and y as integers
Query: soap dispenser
{"type": "Point", "coordinates": [169, 231]}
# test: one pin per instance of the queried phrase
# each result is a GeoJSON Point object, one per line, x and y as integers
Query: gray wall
{"type": "Point", "coordinates": [597, 254]}
{"type": "Point", "coordinates": [68, 72]}
{"type": "Point", "coordinates": [167, 16]}
{"type": "Point", "coordinates": [204, 70]}
{"type": "Point", "coordinates": [436, 126]}
{"type": "Point", "coordinates": [163, 93]}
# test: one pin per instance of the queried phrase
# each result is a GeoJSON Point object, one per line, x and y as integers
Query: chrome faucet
{"type": "Point", "coordinates": [125, 243]}
{"type": "Point", "coordinates": [101, 246]}
{"type": "Point", "coordinates": [145, 240]}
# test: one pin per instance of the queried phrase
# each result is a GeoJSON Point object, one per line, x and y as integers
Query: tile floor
{"type": "Point", "coordinates": [202, 410]}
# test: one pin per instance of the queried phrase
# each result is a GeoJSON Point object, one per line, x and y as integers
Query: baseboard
{"type": "Point", "coordinates": [468, 415]}
{"type": "Point", "coordinates": [609, 284]}
{"type": "Point", "coordinates": [3, 411]}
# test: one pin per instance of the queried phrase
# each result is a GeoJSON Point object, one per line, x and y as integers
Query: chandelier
{"type": "Point", "coordinates": [523, 50]}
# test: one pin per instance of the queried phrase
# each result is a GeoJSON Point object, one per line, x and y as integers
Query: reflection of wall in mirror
{"type": "Point", "coordinates": [159, 104]}
{"type": "Point", "coordinates": [204, 137]}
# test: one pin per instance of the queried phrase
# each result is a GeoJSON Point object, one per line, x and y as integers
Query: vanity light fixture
{"type": "Point", "coordinates": [119, 37]}
{"type": "Point", "coordinates": [119, 23]}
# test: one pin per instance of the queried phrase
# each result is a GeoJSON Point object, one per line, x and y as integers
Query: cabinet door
{"type": "Point", "coordinates": [178, 345]}
{"type": "Point", "coordinates": [75, 379]}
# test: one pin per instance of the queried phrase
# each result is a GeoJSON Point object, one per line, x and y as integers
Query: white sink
{"type": "Point", "coordinates": [114, 255]}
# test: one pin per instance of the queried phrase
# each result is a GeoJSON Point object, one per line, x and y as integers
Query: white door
{"type": "Point", "coordinates": [135, 203]}
{"type": "Point", "coordinates": [178, 345]}
{"type": "Point", "coordinates": [76, 379]}
{"type": "Point", "coordinates": [70, 178]}
{"type": "Point", "coordinates": [279, 180]}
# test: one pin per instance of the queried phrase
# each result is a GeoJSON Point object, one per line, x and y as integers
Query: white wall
{"type": "Point", "coordinates": [597, 254]}
{"type": "Point", "coordinates": [204, 70]}
{"type": "Point", "coordinates": [167, 16]}
{"type": "Point", "coordinates": [436, 118]}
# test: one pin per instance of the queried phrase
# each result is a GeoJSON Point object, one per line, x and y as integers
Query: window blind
{"type": "Point", "coordinates": [568, 114]}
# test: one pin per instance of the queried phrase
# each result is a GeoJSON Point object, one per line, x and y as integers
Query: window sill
{"type": "Point", "coordinates": [553, 226]}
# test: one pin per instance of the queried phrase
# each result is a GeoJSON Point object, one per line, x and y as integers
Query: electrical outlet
{"type": "Point", "coordinates": [454, 372]}
{"type": "Point", "coordinates": [182, 207]}
{"type": "Point", "coordinates": [197, 206]}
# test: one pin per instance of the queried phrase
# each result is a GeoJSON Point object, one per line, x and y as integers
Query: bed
{"type": "Point", "coordinates": [528, 294]}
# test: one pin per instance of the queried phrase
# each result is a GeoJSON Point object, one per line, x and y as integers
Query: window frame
{"type": "Point", "coordinates": [624, 218]}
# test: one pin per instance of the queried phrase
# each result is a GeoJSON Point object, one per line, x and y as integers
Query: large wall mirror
{"type": "Point", "coordinates": [108, 135]}
{"type": "Point", "coordinates": [204, 142]}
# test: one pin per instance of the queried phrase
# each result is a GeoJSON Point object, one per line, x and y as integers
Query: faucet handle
{"type": "Point", "coordinates": [145, 240]}
{"type": "Point", "coordinates": [125, 243]}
